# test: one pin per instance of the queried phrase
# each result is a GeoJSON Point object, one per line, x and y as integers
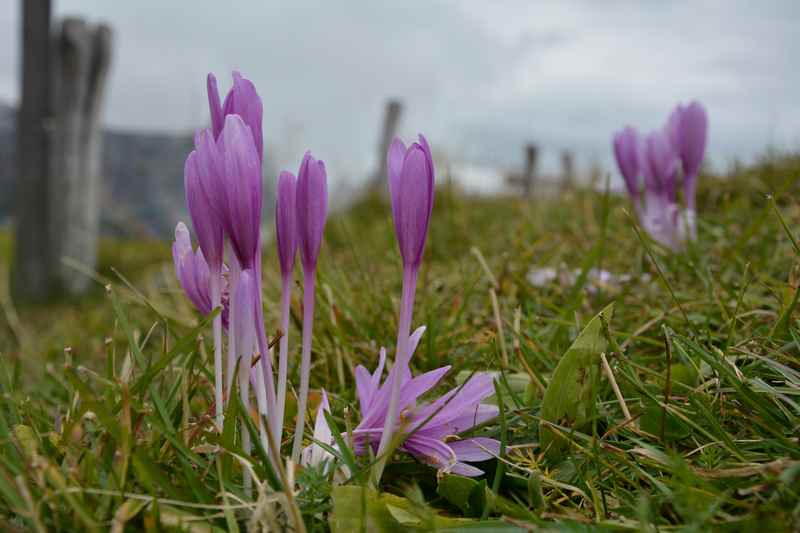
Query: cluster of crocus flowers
{"type": "Point", "coordinates": [223, 195]}
{"type": "Point", "coordinates": [662, 158]}
{"type": "Point", "coordinates": [223, 181]}
{"type": "Point", "coordinates": [391, 410]}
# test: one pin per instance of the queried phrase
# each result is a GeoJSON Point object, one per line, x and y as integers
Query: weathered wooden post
{"type": "Point", "coordinates": [529, 177]}
{"type": "Point", "coordinates": [64, 78]}
{"type": "Point", "coordinates": [391, 119]}
{"type": "Point", "coordinates": [30, 278]}
{"type": "Point", "coordinates": [82, 55]}
{"type": "Point", "coordinates": [567, 169]}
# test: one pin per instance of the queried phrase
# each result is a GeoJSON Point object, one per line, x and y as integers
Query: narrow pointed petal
{"type": "Point", "coordinates": [214, 105]}
{"type": "Point", "coordinates": [314, 454]}
{"type": "Point", "coordinates": [243, 100]}
{"type": "Point", "coordinates": [626, 153]}
{"type": "Point", "coordinates": [432, 452]}
{"type": "Point", "coordinates": [242, 181]}
{"type": "Point", "coordinates": [475, 449]}
{"type": "Point", "coordinates": [204, 219]}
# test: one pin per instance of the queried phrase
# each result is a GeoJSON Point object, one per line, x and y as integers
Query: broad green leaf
{"type": "Point", "coordinates": [570, 396]}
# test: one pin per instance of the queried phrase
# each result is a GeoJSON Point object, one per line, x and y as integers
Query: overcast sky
{"type": "Point", "coordinates": [479, 78]}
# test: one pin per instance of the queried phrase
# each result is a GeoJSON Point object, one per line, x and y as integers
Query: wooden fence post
{"type": "Point", "coordinates": [30, 280]}
{"type": "Point", "coordinates": [59, 175]}
{"type": "Point", "coordinates": [391, 119]}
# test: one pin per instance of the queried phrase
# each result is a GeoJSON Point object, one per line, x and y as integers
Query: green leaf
{"type": "Point", "coordinates": [570, 396]}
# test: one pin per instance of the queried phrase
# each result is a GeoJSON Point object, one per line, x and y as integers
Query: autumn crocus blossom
{"type": "Point", "coordinates": [311, 204]}
{"type": "Point", "coordinates": [431, 429]}
{"type": "Point", "coordinates": [659, 160]}
{"type": "Point", "coordinates": [411, 188]}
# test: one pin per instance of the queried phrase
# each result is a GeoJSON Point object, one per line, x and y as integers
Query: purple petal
{"type": "Point", "coordinates": [466, 470]}
{"type": "Point", "coordinates": [286, 221]}
{"type": "Point", "coordinates": [457, 402]}
{"type": "Point", "coordinates": [243, 100]}
{"type": "Point", "coordinates": [693, 136]}
{"type": "Point", "coordinates": [410, 391]}
{"type": "Point", "coordinates": [473, 415]}
{"type": "Point", "coordinates": [413, 342]}
{"type": "Point", "coordinates": [626, 152]}
{"type": "Point", "coordinates": [364, 389]}
{"type": "Point", "coordinates": [242, 181]}
{"type": "Point", "coordinates": [475, 449]}
{"type": "Point", "coordinates": [312, 208]}
{"type": "Point", "coordinates": [432, 452]}
{"type": "Point", "coordinates": [214, 106]}
{"type": "Point", "coordinates": [206, 225]}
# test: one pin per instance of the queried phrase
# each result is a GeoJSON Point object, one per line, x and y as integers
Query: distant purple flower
{"type": "Point", "coordinates": [688, 128]}
{"type": "Point", "coordinates": [411, 186]}
{"type": "Point", "coordinates": [242, 100]}
{"type": "Point", "coordinates": [432, 426]}
{"type": "Point", "coordinates": [660, 158]}
{"type": "Point", "coordinates": [312, 208]}
{"type": "Point", "coordinates": [626, 151]}
{"type": "Point", "coordinates": [193, 273]}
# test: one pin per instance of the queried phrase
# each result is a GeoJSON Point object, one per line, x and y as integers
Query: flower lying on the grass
{"type": "Point", "coordinates": [430, 429]}
{"type": "Point", "coordinates": [659, 158]}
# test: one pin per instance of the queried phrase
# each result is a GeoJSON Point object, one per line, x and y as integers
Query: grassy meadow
{"type": "Point", "coordinates": [677, 409]}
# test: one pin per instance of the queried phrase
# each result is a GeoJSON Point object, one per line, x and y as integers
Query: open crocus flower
{"type": "Point", "coordinates": [430, 429]}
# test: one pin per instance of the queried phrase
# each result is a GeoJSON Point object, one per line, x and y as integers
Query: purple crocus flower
{"type": "Point", "coordinates": [312, 208]}
{"type": "Point", "coordinates": [411, 183]}
{"type": "Point", "coordinates": [626, 152]}
{"type": "Point", "coordinates": [311, 203]}
{"type": "Point", "coordinates": [193, 273]}
{"type": "Point", "coordinates": [431, 427]}
{"type": "Point", "coordinates": [286, 237]}
{"type": "Point", "coordinates": [411, 187]}
{"type": "Point", "coordinates": [660, 158]}
{"type": "Point", "coordinates": [688, 127]}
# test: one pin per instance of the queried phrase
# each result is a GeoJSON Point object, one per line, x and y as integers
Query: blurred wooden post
{"type": "Point", "coordinates": [30, 280]}
{"type": "Point", "coordinates": [58, 179]}
{"type": "Point", "coordinates": [82, 56]}
{"type": "Point", "coordinates": [391, 119]}
{"type": "Point", "coordinates": [567, 169]}
{"type": "Point", "coordinates": [529, 177]}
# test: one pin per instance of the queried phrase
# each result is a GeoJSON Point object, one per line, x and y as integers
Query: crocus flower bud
{"type": "Point", "coordinates": [204, 220]}
{"type": "Point", "coordinates": [239, 189]}
{"type": "Point", "coordinates": [286, 221]}
{"type": "Point", "coordinates": [411, 187]}
{"type": "Point", "coordinates": [191, 269]}
{"type": "Point", "coordinates": [312, 208]}
{"type": "Point", "coordinates": [242, 100]}
{"type": "Point", "coordinates": [193, 274]}
{"type": "Point", "coordinates": [689, 128]}
{"type": "Point", "coordinates": [626, 152]}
